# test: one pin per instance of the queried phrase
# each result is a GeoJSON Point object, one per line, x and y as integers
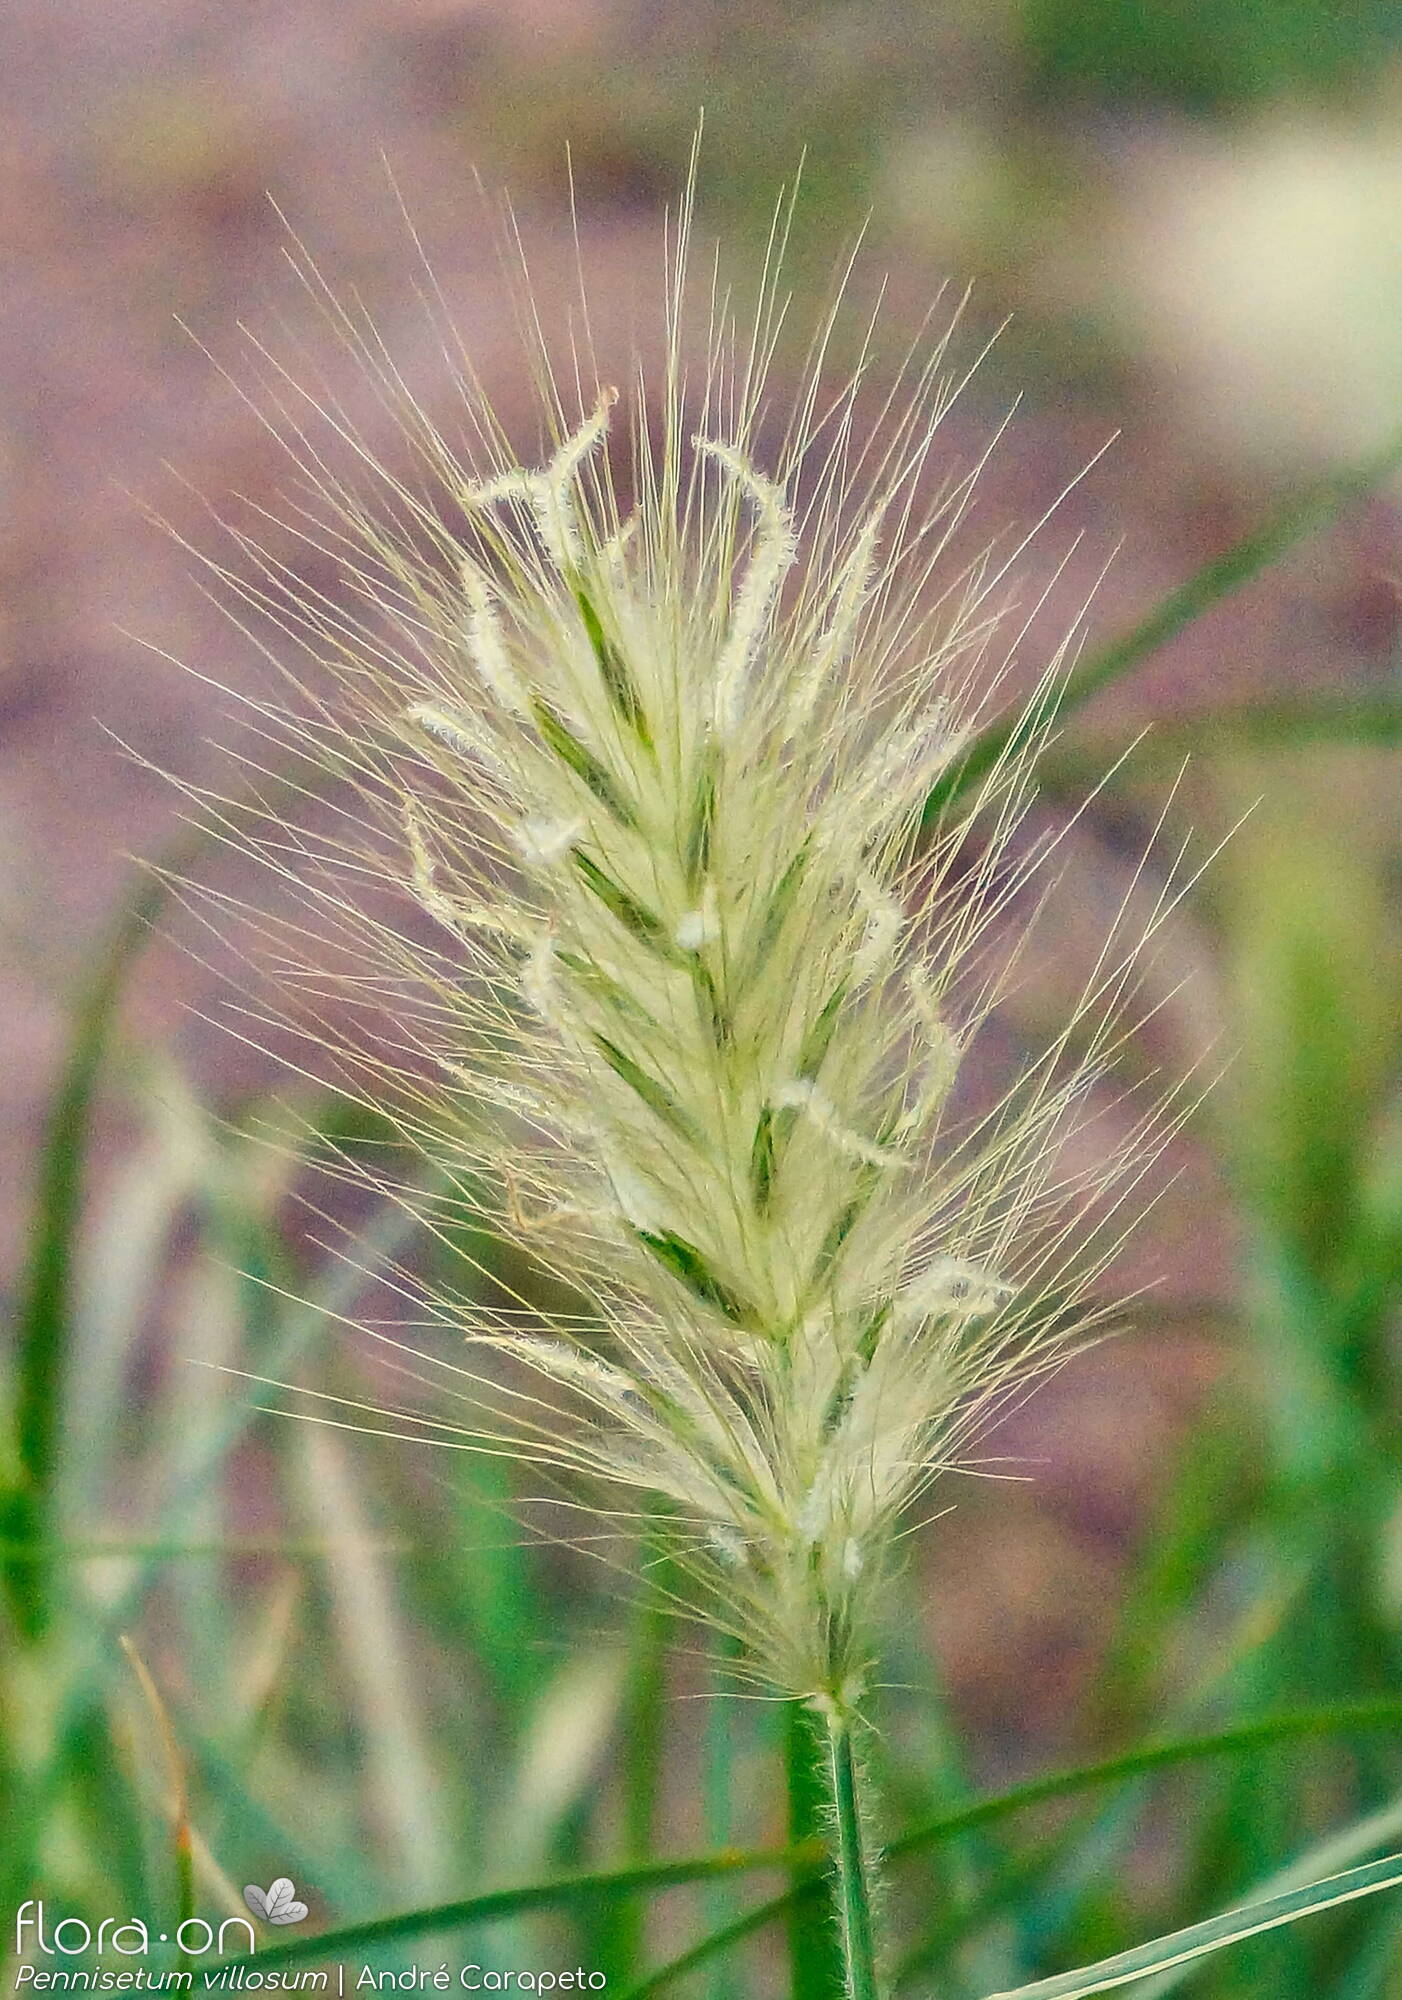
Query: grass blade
{"type": "Point", "coordinates": [45, 1315]}
{"type": "Point", "coordinates": [377, 1662]}
{"type": "Point", "coordinates": [30, 1799]}
{"type": "Point", "coordinates": [1336, 1719]}
{"type": "Point", "coordinates": [1326, 1859]}
{"type": "Point", "coordinates": [1178, 1947]}
{"type": "Point", "coordinates": [566, 1892]}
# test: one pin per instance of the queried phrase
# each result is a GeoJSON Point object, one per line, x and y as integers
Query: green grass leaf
{"type": "Point", "coordinates": [31, 1799]}
{"type": "Point", "coordinates": [1178, 1947]}
{"type": "Point", "coordinates": [1365, 715]}
{"type": "Point", "coordinates": [46, 1310]}
{"type": "Point", "coordinates": [565, 1892]}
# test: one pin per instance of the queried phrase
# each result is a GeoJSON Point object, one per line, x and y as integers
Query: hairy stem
{"type": "Point", "coordinates": [852, 1867]}
{"type": "Point", "coordinates": [815, 1954]}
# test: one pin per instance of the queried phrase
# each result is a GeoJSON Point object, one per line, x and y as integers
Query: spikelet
{"type": "Point", "coordinates": [623, 864]}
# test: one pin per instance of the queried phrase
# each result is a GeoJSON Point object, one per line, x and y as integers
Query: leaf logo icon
{"type": "Point", "coordinates": [277, 1904]}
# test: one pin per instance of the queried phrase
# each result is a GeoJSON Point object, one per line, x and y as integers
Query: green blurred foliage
{"type": "Point", "coordinates": [1228, 57]}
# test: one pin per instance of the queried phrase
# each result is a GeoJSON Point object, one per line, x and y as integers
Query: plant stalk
{"type": "Point", "coordinates": [851, 1864]}
{"type": "Point", "coordinates": [815, 1954]}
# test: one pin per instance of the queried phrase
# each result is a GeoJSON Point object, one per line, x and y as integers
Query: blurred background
{"type": "Point", "coordinates": [1190, 219]}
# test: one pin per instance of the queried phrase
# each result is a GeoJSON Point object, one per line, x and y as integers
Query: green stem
{"type": "Point", "coordinates": [851, 1863]}
{"type": "Point", "coordinates": [815, 1957]}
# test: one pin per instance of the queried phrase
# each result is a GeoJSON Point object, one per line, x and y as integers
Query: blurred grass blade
{"type": "Point", "coordinates": [479, 1585]}
{"type": "Point", "coordinates": [565, 1742]}
{"type": "Point", "coordinates": [1369, 716]}
{"type": "Point", "coordinates": [566, 1892]}
{"type": "Point", "coordinates": [245, 1823]}
{"type": "Point", "coordinates": [1299, 517]}
{"type": "Point", "coordinates": [45, 1315]}
{"type": "Point", "coordinates": [30, 1802]}
{"type": "Point", "coordinates": [105, 1796]}
{"type": "Point", "coordinates": [1336, 1719]}
{"type": "Point", "coordinates": [179, 1801]}
{"type": "Point", "coordinates": [1367, 1976]}
{"type": "Point", "coordinates": [381, 1685]}
{"type": "Point", "coordinates": [1008, 1890]}
{"type": "Point", "coordinates": [1179, 1947]}
{"type": "Point", "coordinates": [1204, 1507]}
{"type": "Point", "coordinates": [1325, 1860]}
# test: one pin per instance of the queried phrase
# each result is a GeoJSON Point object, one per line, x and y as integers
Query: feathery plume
{"type": "Point", "coordinates": [655, 777]}
{"type": "Point", "coordinates": [688, 983]}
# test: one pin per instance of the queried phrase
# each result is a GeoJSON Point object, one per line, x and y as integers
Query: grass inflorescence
{"type": "Point", "coordinates": [674, 963]}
